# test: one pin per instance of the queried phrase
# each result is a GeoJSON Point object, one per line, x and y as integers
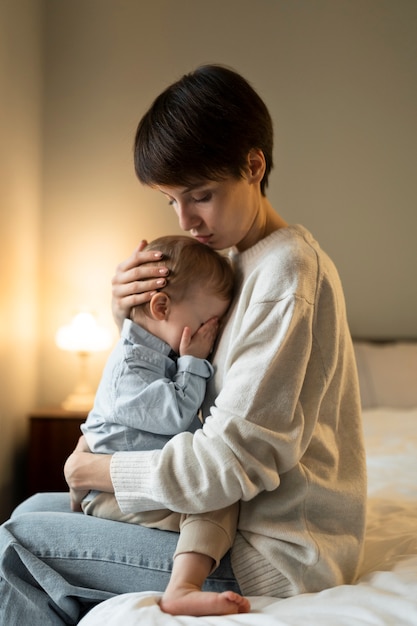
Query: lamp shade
{"type": "Point", "coordinates": [83, 334]}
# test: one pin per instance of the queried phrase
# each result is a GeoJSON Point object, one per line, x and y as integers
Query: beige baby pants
{"type": "Point", "coordinates": [210, 533]}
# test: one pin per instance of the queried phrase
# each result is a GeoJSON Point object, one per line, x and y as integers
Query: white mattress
{"type": "Point", "coordinates": [386, 591]}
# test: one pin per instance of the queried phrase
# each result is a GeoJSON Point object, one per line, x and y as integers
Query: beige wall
{"type": "Point", "coordinates": [339, 77]}
{"type": "Point", "coordinates": [20, 216]}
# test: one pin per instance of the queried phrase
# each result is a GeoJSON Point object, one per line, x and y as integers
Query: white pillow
{"type": "Point", "coordinates": [387, 373]}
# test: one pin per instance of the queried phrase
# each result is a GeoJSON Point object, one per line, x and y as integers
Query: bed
{"type": "Point", "coordinates": [385, 592]}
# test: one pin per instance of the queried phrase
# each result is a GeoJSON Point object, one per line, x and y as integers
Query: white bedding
{"type": "Point", "coordinates": [386, 590]}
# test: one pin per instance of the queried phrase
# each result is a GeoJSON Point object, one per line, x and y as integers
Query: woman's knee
{"type": "Point", "coordinates": [58, 502]}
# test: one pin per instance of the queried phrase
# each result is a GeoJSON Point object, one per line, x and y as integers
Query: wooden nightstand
{"type": "Point", "coordinates": [53, 435]}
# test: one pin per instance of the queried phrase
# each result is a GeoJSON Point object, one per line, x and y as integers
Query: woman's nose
{"type": "Point", "coordinates": [186, 219]}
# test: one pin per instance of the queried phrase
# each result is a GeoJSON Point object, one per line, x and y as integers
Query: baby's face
{"type": "Point", "coordinates": [194, 311]}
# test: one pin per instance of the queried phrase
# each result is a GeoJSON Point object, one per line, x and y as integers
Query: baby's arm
{"type": "Point", "coordinates": [166, 406]}
{"type": "Point", "coordinates": [145, 400]}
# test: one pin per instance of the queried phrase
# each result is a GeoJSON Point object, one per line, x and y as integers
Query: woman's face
{"type": "Point", "coordinates": [220, 214]}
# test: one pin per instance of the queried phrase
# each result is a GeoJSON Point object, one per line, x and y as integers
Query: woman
{"type": "Point", "coordinates": [282, 431]}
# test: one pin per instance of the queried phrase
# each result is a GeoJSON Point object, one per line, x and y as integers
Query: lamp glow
{"type": "Point", "coordinates": [82, 336]}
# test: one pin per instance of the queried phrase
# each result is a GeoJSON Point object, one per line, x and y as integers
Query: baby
{"type": "Point", "coordinates": [152, 388]}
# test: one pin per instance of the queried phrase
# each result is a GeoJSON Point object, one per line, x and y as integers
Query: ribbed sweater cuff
{"type": "Point", "coordinates": [131, 475]}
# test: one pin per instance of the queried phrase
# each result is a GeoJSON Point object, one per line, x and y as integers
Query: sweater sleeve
{"type": "Point", "coordinates": [164, 406]}
{"type": "Point", "coordinates": [257, 428]}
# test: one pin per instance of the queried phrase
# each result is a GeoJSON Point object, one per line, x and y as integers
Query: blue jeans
{"type": "Point", "coordinates": [56, 565]}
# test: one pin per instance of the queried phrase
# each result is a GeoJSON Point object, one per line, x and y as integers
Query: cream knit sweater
{"type": "Point", "coordinates": [282, 432]}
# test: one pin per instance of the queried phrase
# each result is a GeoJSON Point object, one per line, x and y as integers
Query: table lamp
{"type": "Point", "coordinates": [82, 336]}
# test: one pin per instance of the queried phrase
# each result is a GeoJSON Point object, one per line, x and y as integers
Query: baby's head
{"type": "Point", "coordinates": [193, 264]}
{"type": "Point", "coordinates": [199, 286]}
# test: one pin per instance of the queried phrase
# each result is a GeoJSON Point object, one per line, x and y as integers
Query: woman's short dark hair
{"type": "Point", "coordinates": [203, 127]}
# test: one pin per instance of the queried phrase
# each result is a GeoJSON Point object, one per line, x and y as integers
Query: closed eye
{"type": "Point", "coordinates": [205, 198]}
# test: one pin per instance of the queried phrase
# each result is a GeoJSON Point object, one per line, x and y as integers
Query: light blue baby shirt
{"type": "Point", "coordinates": [146, 394]}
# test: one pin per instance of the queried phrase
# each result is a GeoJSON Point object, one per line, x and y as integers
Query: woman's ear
{"type": "Point", "coordinates": [160, 306]}
{"type": "Point", "coordinates": [256, 165]}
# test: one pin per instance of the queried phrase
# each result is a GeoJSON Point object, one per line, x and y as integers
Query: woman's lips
{"type": "Point", "coordinates": [203, 238]}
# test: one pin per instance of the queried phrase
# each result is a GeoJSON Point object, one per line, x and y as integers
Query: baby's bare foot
{"type": "Point", "coordinates": [191, 601]}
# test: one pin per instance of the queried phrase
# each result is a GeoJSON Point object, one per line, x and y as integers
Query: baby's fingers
{"type": "Point", "coordinates": [209, 329]}
{"type": "Point", "coordinates": [185, 340]}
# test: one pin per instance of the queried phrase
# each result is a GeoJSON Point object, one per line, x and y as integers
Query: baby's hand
{"type": "Point", "coordinates": [201, 343]}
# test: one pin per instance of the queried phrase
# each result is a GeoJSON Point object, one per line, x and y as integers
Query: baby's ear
{"type": "Point", "coordinates": [160, 305]}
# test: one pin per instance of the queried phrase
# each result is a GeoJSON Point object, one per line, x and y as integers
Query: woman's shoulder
{"type": "Point", "coordinates": [292, 244]}
{"type": "Point", "coordinates": [285, 261]}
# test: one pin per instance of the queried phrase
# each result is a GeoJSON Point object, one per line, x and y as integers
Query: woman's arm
{"type": "Point", "coordinates": [255, 431]}
{"type": "Point", "coordinates": [135, 281]}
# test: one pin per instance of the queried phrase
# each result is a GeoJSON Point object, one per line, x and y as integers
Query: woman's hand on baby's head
{"type": "Point", "coordinates": [201, 343]}
{"type": "Point", "coordinates": [135, 281]}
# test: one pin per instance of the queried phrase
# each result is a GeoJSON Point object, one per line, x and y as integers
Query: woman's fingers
{"type": "Point", "coordinates": [137, 275]}
{"type": "Point", "coordinates": [135, 280]}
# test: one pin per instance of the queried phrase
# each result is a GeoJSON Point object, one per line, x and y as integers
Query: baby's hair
{"type": "Point", "coordinates": [192, 264]}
